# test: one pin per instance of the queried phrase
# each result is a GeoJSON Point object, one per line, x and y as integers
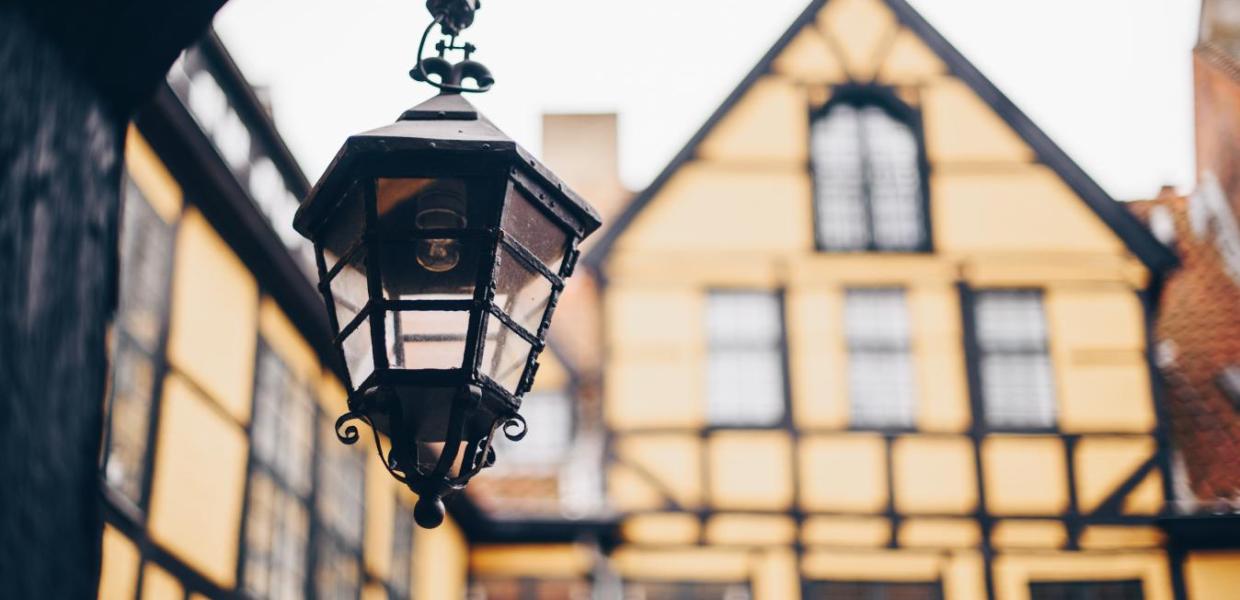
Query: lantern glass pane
{"type": "Point", "coordinates": [349, 287]}
{"type": "Point", "coordinates": [504, 355]}
{"type": "Point", "coordinates": [427, 339]}
{"type": "Point", "coordinates": [521, 292]}
{"type": "Point", "coordinates": [415, 266]}
{"type": "Point", "coordinates": [358, 357]}
{"type": "Point", "coordinates": [531, 226]}
{"type": "Point", "coordinates": [344, 229]}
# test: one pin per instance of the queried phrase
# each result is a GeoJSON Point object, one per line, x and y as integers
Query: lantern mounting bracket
{"type": "Point", "coordinates": [453, 16]}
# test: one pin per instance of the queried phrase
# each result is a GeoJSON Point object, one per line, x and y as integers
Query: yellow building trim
{"type": "Point", "coordinates": [862, 30]}
{"type": "Point", "coordinates": [750, 470]}
{"type": "Point", "coordinates": [808, 59]}
{"type": "Point", "coordinates": [1025, 475]}
{"type": "Point", "coordinates": [687, 564]}
{"type": "Point", "coordinates": [531, 560]}
{"type": "Point", "coordinates": [1111, 537]}
{"type": "Point", "coordinates": [964, 577]}
{"type": "Point", "coordinates": [674, 461]}
{"type": "Point", "coordinates": [856, 531]}
{"type": "Point", "coordinates": [846, 472]}
{"type": "Point", "coordinates": [158, 186]}
{"type": "Point", "coordinates": [673, 528]}
{"type": "Point", "coordinates": [909, 61]}
{"type": "Point", "coordinates": [1029, 534]}
{"type": "Point", "coordinates": [440, 563]}
{"type": "Point", "coordinates": [195, 512]}
{"type": "Point", "coordinates": [775, 576]}
{"type": "Point", "coordinates": [939, 533]}
{"type": "Point", "coordinates": [770, 123]}
{"type": "Point", "coordinates": [158, 584]}
{"type": "Point", "coordinates": [118, 575]}
{"type": "Point", "coordinates": [750, 530]}
{"type": "Point", "coordinates": [872, 565]}
{"type": "Point", "coordinates": [935, 475]}
{"type": "Point", "coordinates": [1103, 463]}
{"type": "Point", "coordinates": [1146, 498]}
{"type": "Point", "coordinates": [379, 515]}
{"type": "Point", "coordinates": [817, 357]}
{"type": "Point", "coordinates": [1069, 270]}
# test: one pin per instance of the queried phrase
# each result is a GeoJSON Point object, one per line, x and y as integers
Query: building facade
{"type": "Point", "coordinates": [873, 335]}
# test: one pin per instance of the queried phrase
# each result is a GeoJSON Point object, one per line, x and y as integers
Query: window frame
{"type": "Point", "coordinates": [974, 355]}
{"type": "Point", "coordinates": [781, 341]}
{"type": "Point", "coordinates": [158, 357]}
{"type": "Point", "coordinates": [908, 349]}
{"type": "Point", "coordinates": [884, 97]}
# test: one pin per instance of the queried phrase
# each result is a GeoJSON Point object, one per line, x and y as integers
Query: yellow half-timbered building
{"type": "Point", "coordinates": [872, 334]}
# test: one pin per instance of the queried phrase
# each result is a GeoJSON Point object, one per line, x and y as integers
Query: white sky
{"type": "Point", "coordinates": [1109, 80]}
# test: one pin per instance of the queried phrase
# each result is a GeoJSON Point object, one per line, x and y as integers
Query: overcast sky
{"type": "Point", "coordinates": [1109, 80]}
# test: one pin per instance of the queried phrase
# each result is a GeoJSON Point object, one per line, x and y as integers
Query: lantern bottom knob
{"type": "Point", "coordinates": [429, 511]}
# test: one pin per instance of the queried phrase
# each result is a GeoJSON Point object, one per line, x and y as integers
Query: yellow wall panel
{"type": "Point", "coordinates": [909, 61]}
{"type": "Point", "coordinates": [531, 560]}
{"type": "Point", "coordinates": [688, 564]}
{"type": "Point", "coordinates": [865, 269]}
{"type": "Point", "coordinates": [440, 562]}
{"type": "Point", "coordinates": [872, 565]}
{"type": "Point", "coordinates": [1102, 463]}
{"type": "Point", "coordinates": [846, 531]}
{"type": "Point", "coordinates": [809, 59]}
{"type": "Point", "coordinates": [331, 394]}
{"type": "Point", "coordinates": [755, 530]}
{"type": "Point", "coordinates": [1106, 537]}
{"type": "Point", "coordinates": [286, 340]}
{"type": "Point", "coordinates": [942, 387]}
{"type": "Point", "coordinates": [118, 575]}
{"type": "Point", "coordinates": [673, 219]}
{"type": "Point", "coordinates": [552, 375]}
{"type": "Point", "coordinates": [214, 316]}
{"type": "Point", "coordinates": [629, 491]}
{"type": "Point", "coordinates": [662, 528]}
{"type": "Point", "coordinates": [158, 584]}
{"type": "Point", "coordinates": [1038, 269]}
{"type": "Point", "coordinates": [1024, 475]}
{"type": "Point", "coordinates": [1028, 210]}
{"type": "Point", "coordinates": [674, 460]}
{"type": "Point", "coordinates": [1013, 572]}
{"type": "Point", "coordinates": [844, 472]}
{"type": "Point", "coordinates": [769, 124]}
{"type": "Point", "coordinates": [158, 186]}
{"type": "Point", "coordinates": [1029, 534]}
{"type": "Point", "coordinates": [199, 481]}
{"type": "Point", "coordinates": [939, 533]}
{"type": "Point", "coordinates": [719, 268]}
{"type": "Point", "coordinates": [379, 516]}
{"type": "Point", "coordinates": [965, 577]}
{"type": "Point", "coordinates": [751, 470]}
{"type": "Point", "coordinates": [653, 318]}
{"type": "Point", "coordinates": [934, 475]}
{"type": "Point", "coordinates": [1146, 498]}
{"type": "Point", "coordinates": [374, 591]}
{"type": "Point", "coordinates": [1093, 318]}
{"type": "Point", "coordinates": [1212, 575]}
{"type": "Point", "coordinates": [650, 393]}
{"type": "Point", "coordinates": [775, 576]}
{"type": "Point", "coordinates": [862, 29]}
{"type": "Point", "coordinates": [1106, 397]}
{"type": "Point", "coordinates": [817, 358]}
{"type": "Point", "coordinates": [961, 127]}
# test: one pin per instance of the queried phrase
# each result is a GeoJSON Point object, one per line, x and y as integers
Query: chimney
{"type": "Point", "coordinates": [583, 149]}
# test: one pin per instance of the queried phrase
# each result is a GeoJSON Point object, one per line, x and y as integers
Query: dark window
{"type": "Point", "coordinates": [400, 584]}
{"type": "Point", "coordinates": [872, 590]}
{"type": "Point", "coordinates": [338, 517]}
{"type": "Point", "coordinates": [146, 242]}
{"type": "Point", "coordinates": [685, 590]}
{"type": "Point", "coordinates": [1087, 590]}
{"type": "Point", "coordinates": [528, 589]}
{"type": "Point", "coordinates": [880, 365]}
{"type": "Point", "coordinates": [1018, 389]}
{"type": "Point", "coordinates": [868, 180]}
{"type": "Point", "coordinates": [745, 372]}
{"type": "Point", "coordinates": [278, 513]}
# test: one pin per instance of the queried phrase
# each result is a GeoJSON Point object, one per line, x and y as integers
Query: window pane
{"type": "Point", "coordinates": [533, 229]}
{"type": "Point", "coordinates": [521, 292]}
{"type": "Point", "coordinates": [871, 590]}
{"type": "Point", "coordinates": [745, 374]}
{"type": "Point", "coordinates": [894, 178]}
{"type": "Point", "coordinates": [275, 539]}
{"type": "Point", "coordinates": [427, 339]}
{"type": "Point", "coordinates": [1087, 590]}
{"type": "Point", "coordinates": [133, 374]}
{"type": "Point", "coordinates": [880, 371]}
{"type": "Point", "coordinates": [839, 178]}
{"type": "Point", "coordinates": [1018, 388]}
{"type": "Point", "coordinates": [504, 355]}
{"type": "Point", "coordinates": [341, 468]}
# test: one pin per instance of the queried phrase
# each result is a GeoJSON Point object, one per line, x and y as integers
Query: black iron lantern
{"type": "Point", "coordinates": [442, 247]}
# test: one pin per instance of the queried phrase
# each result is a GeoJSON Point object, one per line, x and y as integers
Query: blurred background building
{"type": "Point", "coordinates": [870, 335]}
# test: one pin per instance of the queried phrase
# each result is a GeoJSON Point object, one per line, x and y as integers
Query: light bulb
{"type": "Point", "coordinates": [439, 255]}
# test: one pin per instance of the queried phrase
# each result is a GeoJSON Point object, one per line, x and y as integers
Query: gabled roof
{"type": "Point", "coordinates": [1157, 257]}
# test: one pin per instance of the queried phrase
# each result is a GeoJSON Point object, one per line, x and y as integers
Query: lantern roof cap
{"type": "Point", "coordinates": [445, 123]}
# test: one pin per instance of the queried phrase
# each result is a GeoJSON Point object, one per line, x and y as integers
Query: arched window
{"type": "Point", "coordinates": [867, 179]}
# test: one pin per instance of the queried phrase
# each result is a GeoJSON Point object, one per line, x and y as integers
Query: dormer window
{"type": "Point", "coordinates": [869, 189]}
